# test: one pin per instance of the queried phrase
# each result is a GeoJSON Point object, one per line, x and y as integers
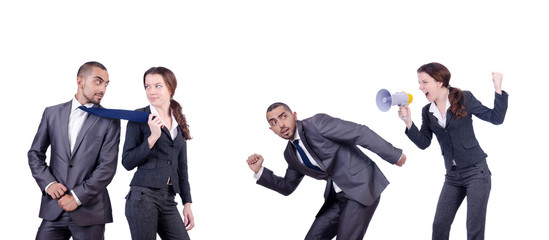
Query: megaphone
{"type": "Point", "coordinates": [385, 99]}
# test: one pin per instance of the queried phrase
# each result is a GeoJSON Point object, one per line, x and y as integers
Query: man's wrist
{"type": "Point", "coordinates": [46, 189]}
{"type": "Point", "coordinates": [257, 175]}
{"type": "Point", "coordinates": [76, 198]}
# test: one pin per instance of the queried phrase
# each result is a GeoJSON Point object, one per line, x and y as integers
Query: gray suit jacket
{"type": "Point", "coordinates": [87, 170]}
{"type": "Point", "coordinates": [333, 144]}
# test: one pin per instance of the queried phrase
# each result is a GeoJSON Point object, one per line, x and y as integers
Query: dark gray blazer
{"type": "Point", "coordinates": [333, 144]}
{"type": "Point", "coordinates": [167, 158]}
{"type": "Point", "coordinates": [457, 140]}
{"type": "Point", "coordinates": [87, 170]}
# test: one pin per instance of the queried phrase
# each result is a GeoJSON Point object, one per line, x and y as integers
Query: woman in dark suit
{"type": "Point", "coordinates": [158, 149]}
{"type": "Point", "coordinates": [449, 117]}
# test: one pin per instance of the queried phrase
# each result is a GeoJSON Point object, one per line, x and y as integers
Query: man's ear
{"type": "Point", "coordinates": [80, 82]}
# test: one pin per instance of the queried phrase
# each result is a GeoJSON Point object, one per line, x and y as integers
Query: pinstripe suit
{"type": "Point", "coordinates": [333, 144]}
{"type": "Point", "coordinates": [87, 170]}
{"type": "Point", "coordinates": [470, 176]}
{"type": "Point", "coordinates": [150, 205]}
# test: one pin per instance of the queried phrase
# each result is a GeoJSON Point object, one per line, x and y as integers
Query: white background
{"type": "Point", "coordinates": [234, 58]}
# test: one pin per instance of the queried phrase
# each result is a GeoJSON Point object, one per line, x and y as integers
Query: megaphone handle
{"type": "Point", "coordinates": [405, 117]}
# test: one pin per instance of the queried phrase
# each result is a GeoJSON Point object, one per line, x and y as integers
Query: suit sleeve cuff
{"type": "Point", "coordinates": [402, 154]}
{"type": "Point", "coordinates": [257, 175]}
{"type": "Point", "coordinates": [76, 198]}
{"type": "Point", "coordinates": [46, 189]}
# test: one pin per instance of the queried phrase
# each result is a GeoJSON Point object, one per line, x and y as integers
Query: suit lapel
{"type": "Point", "coordinates": [449, 118]}
{"type": "Point", "coordinates": [303, 135]}
{"type": "Point", "coordinates": [291, 158]}
{"type": "Point", "coordinates": [167, 132]}
{"type": "Point", "coordinates": [64, 126]}
{"type": "Point", "coordinates": [88, 123]}
{"type": "Point", "coordinates": [434, 121]}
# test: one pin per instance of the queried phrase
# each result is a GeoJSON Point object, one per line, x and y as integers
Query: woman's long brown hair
{"type": "Point", "coordinates": [441, 74]}
{"type": "Point", "coordinates": [177, 110]}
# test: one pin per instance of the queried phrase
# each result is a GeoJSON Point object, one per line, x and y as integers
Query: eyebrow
{"type": "Point", "coordinates": [102, 79]}
{"type": "Point", "coordinates": [279, 115]}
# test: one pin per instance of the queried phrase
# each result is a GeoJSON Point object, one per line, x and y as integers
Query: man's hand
{"type": "Point", "coordinates": [56, 190]}
{"type": "Point", "coordinates": [255, 162]}
{"type": "Point", "coordinates": [67, 203]}
{"type": "Point", "coordinates": [401, 161]}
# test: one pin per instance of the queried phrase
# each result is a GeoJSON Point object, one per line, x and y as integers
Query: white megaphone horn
{"type": "Point", "coordinates": [385, 99]}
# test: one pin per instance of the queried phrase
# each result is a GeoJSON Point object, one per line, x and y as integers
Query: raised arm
{"type": "Point", "coordinates": [283, 185]}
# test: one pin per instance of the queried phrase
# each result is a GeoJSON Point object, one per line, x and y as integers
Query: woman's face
{"type": "Point", "coordinates": [429, 86]}
{"type": "Point", "coordinates": [157, 91]}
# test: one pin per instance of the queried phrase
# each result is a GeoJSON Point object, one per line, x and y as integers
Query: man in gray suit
{"type": "Point", "coordinates": [325, 148]}
{"type": "Point", "coordinates": [83, 160]}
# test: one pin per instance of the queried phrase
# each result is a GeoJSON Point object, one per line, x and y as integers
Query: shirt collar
{"type": "Point", "coordinates": [441, 117]}
{"type": "Point", "coordinates": [433, 108]}
{"type": "Point", "coordinates": [296, 135]}
{"type": "Point", "coordinates": [174, 122]}
{"type": "Point", "coordinates": [75, 104]}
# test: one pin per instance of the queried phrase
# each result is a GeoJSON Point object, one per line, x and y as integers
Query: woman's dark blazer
{"type": "Point", "coordinates": [457, 140]}
{"type": "Point", "coordinates": [166, 159]}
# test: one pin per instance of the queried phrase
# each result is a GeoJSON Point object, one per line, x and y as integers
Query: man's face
{"type": "Point", "coordinates": [93, 86]}
{"type": "Point", "coordinates": [282, 122]}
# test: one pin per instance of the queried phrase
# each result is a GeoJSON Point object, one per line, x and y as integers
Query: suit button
{"type": "Point", "coordinates": [70, 166]}
{"type": "Point", "coordinates": [169, 162]}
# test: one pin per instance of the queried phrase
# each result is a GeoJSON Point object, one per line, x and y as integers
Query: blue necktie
{"type": "Point", "coordinates": [304, 157]}
{"type": "Point", "coordinates": [134, 116]}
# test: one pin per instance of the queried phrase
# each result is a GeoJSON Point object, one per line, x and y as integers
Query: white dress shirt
{"type": "Point", "coordinates": [441, 117]}
{"type": "Point", "coordinates": [76, 120]}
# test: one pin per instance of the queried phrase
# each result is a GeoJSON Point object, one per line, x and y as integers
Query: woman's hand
{"type": "Point", "coordinates": [404, 111]}
{"type": "Point", "coordinates": [188, 217]}
{"type": "Point", "coordinates": [155, 125]}
{"type": "Point", "coordinates": [497, 78]}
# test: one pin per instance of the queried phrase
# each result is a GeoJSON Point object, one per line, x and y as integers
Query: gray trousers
{"type": "Point", "coordinates": [63, 228]}
{"type": "Point", "coordinates": [341, 216]}
{"type": "Point", "coordinates": [150, 211]}
{"type": "Point", "coordinates": [475, 183]}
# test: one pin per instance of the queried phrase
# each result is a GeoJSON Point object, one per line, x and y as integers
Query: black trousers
{"type": "Point", "coordinates": [150, 211]}
{"type": "Point", "coordinates": [472, 182]}
{"type": "Point", "coordinates": [344, 217]}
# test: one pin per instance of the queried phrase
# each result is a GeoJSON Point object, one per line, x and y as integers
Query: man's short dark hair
{"type": "Point", "coordinates": [86, 68]}
{"type": "Point", "coordinates": [278, 104]}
